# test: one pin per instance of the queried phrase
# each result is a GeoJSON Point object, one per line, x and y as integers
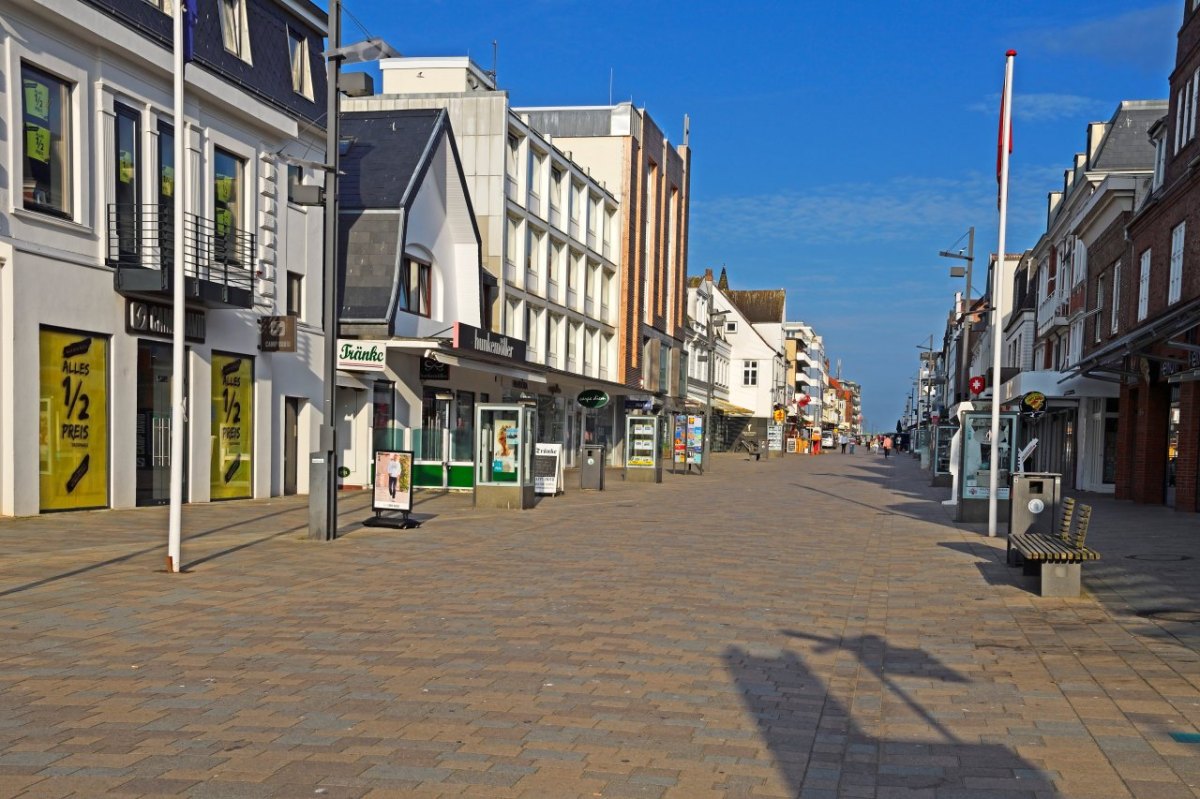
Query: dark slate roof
{"type": "Point", "coordinates": [759, 307]}
{"type": "Point", "coordinates": [1127, 143]}
{"type": "Point", "coordinates": [387, 149]}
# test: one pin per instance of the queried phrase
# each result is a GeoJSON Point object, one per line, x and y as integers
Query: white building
{"type": "Point", "coordinates": [754, 328]}
{"type": "Point", "coordinates": [88, 184]}
{"type": "Point", "coordinates": [548, 232]}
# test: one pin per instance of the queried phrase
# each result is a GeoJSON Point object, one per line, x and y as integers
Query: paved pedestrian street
{"type": "Point", "coordinates": [795, 627]}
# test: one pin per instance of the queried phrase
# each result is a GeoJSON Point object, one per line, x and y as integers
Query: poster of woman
{"type": "Point", "coordinates": [393, 480]}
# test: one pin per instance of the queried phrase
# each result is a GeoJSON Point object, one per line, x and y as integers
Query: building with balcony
{"type": "Point", "coordinates": [1083, 244]}
{"type": "Point", "coordinates": [88, 189]}
{"type": "Point", "coordinates": [709, 360]}
{"type": "Point", "coordinates": [551, 243]}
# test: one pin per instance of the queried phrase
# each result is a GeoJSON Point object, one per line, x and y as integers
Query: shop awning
{"type": "Point", "coordinates": [1054, 383]}
{"type": "Point", "coordinates": [1139, 340]}
{"type": "Point", "coordinates": [486, 366]}
{"type": "Point", "coordinates": [729, 409]}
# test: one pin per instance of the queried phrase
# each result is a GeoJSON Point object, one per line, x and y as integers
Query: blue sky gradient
{"type": "Point", "coordinates": [837, 147]}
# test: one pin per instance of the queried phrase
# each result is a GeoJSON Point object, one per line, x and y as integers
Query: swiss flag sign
{"type": "Point", "coordinates": [977, 384]}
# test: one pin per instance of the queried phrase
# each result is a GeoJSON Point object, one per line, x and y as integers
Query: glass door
{"type": "Point", "coordinates": [1172, 444]}
{"type": "Point", "coordinates": [431, 444]}
{"type": "Point", "coordinates": [153, 444]}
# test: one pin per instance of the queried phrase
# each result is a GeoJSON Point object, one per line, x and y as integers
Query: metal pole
{"type": "Point", "coordinates": [966, 324]}
{"type": "Point", "coordinates": [175, 514]}
{"type": "Point", "coordinates": [708, 398]}
{"type": "Point", "coordinates": [997, 304]}
{"type": "Point", "coordinates": [323, 521]}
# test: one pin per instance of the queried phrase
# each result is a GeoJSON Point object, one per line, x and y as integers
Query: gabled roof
{"type": "Point", "coordinates": [763, 306]}
{"type": "Point", "coordinates": [387, 152]}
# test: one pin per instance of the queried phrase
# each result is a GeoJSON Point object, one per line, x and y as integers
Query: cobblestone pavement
{"type": "Point", "coordinates": [805, 626]}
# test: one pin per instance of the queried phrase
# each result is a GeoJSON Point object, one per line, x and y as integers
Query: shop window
{"type": "Point", "coordinates": [415, 289]}
{"type": "Point", "coordinates": [232, 400]}
{"type": "Point", "coordinates": [46, 110]}
{"type": "Point", "coordinates": [73, 420]}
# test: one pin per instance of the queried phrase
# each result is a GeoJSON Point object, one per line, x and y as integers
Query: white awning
{"type": "Point", "coordinates": [487, 366]}
{"type": "Point", "coordinates": [1056, 384]}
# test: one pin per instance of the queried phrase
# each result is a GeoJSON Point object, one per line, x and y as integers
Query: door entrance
{"type": "Point", "coordinates": [351, 464]}
{"type": "Point", "coordinates": [153, 444]}
{"type": "Point", "coordinates": [291, 427]}
{"type": "Point", "coordinates": [443, 444]}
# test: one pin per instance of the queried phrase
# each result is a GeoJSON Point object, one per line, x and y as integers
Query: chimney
{"type": "Point", "coordinates": [708, 275]}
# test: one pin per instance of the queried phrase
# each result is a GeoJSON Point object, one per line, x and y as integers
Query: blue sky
{"type": "Point", "coordinates": [837, 147]}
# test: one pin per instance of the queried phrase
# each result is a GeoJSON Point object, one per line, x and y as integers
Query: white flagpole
{"type": "Point", "coordinates": [175, 525]}
{"type": "Point", "coordinates": [997, 293]}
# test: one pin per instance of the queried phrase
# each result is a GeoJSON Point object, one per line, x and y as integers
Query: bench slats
{"type": "Point", "coordinates": [1051, 549]}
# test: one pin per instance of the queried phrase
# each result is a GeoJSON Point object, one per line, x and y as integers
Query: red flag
{"type": "Point", "coordinates": [1000, 136]}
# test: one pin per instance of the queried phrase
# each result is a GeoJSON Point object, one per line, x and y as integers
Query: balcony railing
{"type": "Point", "coordinates": [1052, 312]}
{"type": "Point", "coordinates": [218, 265]}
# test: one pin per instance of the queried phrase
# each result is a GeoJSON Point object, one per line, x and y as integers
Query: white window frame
{"type": "Point", "coordinates": [235, 28]}
{"type": "Point", "coordinates": [1116, 299]}
{"type": "Point", "coordinates": [1144, 286]}
{"type": "Point", "coordinates": [1160, 162]}
{"type": "Point", "coordinates": [1100, 281]}
{"type": "Point", "coordinates": [749, 373]}
{"type": "Point", "coordinates": [301, 64]}
{"type": "Point", "coordinates": [1175, 287]}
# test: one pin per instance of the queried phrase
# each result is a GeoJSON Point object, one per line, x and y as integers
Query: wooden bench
{"type": "Point", "coordinates": [752, 448]}
{"type": "Point", "coordinates": [1057, 557]}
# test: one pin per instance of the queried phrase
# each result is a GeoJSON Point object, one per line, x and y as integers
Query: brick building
{"type": "Point", "coordinates": [1151, 342]}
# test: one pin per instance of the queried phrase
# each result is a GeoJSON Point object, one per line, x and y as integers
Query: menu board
{"type": "Point", "coordinates": [547, 469]}
{"type": "Point", "coordinates": [232, 399]}
{"type": "Point", "coordinates": [73, 420]}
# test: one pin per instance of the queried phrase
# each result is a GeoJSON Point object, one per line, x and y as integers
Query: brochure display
{"type": "Point", "coordinates": [392, 490]}
{"type": "Point", "coordinates": [942, 435]}
{"type": "Point", "coordinates": [975, 466]}
{"type": "Point", "coordinates": [641, 450]}
{"type": "Point", "coordinates": [504, 473]}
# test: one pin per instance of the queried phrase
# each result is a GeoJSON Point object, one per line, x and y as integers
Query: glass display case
{"type": "Point", "coordinates": [503, 455]}
{"type": "Point", "coordinates": [643, 444]}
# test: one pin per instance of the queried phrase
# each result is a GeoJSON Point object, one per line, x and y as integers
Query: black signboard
{"type": "Point", "coordinates": [433, 369]}
{"type": "Point", "coordinates": [486, 342]}
{"type": "Point", "coordinates": [152, 319]}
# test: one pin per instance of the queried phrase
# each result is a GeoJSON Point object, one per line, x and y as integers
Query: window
{"type": "Point", "coordinates": [1194, 85]}
{"type": "Point", "coordinates": [556, 178]}
{"type": "Point", "coordinates": [1144, 286]}
{"type": "Point", "coordinates": [127, 125]}
{"type": "Point", "coordinates": [234, 32]}
{"type": "Point", "coordinates": [510, 249]}
{"type": "Point", "coordinates": [1160, 161]}
{"type": "Point", "coordinates": [556, 257]}
{"type": "Point", "coordinates": [512, 156]}
{"type": "Point", "coordinates": [536, 162]}
{"type": "Point", "coordinates": [1099, 307]}
{"type": "Point", "coordinates": [46, 110]}
{"type": "Point", "coordinates": [228, 218]}
{"type": "Point", "coordinates": [1116, 298]}
{"type": "Point", "coordinates": [533, 256]}
{"type": "Point", "coordinates": [1175, 288]}
{"type": "Point", "coordinates": [162, 5]}
{"type": "Point", "coordinates": [415, 289]}
{"type": "Point", "coordinates": [295, 294]}
{"type": "Point", "coordinates": [573, 270]}
{"type": "Point", "coordinates": [749, 373]}
{"type": "Point", "coordinates": [511, 317]}
{"type": "Point", "coordinates": [555, 333]}
{"type": "Point", "coordinates": [1079, 263]}
{"type": "Point", "coordinates": [731, 327]}
{"type": "Point", "coordinates": [301, 64]}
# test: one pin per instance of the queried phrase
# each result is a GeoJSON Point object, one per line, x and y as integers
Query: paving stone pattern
{"type": "Point", "coordinates": [799, 627]}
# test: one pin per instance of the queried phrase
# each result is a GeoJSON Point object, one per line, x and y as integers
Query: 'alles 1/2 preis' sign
{"type": "Point", "coordinates": [354, 355]}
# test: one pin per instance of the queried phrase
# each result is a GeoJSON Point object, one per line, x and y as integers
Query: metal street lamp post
{"type": "Point", "coordinates": [711, 344]}
{"type": "Point", "coordinates": [965, 317]}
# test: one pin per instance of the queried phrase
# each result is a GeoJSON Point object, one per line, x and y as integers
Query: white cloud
{"type": "Point", "coordinates": [1143, 38]}
{"type": "Point", "coordinates": [1044, 107]}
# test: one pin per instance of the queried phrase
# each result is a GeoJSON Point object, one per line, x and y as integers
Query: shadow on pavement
{"type": "Point", "coordinates": [820, 750]}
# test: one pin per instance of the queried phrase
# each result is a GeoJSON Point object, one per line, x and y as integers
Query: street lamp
{"type": "Point", "coordinates": [711, 344]}
{"type": "Point", "coordinates": [958, 271]}
{"type": "Point", "coordinates": [322, 498]}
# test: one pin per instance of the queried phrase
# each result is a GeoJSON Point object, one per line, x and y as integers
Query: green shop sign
{"type": "Point", "coordinates": [356, 355]}
{"type": "Point", "coordinates": [592, 398]}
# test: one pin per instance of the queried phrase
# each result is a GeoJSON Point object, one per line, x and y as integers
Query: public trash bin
{"type": "Point", "coordinates": [1033, 502]}
{"type": "Point", "coordinates": [591, 469]}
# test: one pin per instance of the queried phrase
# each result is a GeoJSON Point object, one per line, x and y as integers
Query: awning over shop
{"type": "Point", "coordinates": [486, 366]}
{"type": "Point", "coordinates": [1106, 359]}
{"type": "Point", "coordinates": [1054, 383]}
{"type": "Point", "coordinates": [729, 409]}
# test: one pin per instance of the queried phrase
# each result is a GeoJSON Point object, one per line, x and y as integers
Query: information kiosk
{"type": "Point", "coordinates": [504, 444]}
{"type": "Point", "coordinates": [974, 466]}
{"type": "Point", "coordinates": [642, 437]}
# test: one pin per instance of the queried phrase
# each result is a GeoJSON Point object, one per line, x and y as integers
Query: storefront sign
{"type": "Point", "coordinates": [232, 398]}
{"type": "Point", "coordinates": [547, 469]}
{"type": "Point", "coordinates": [354, 355]}
{"type": "Point", "coordinates": [1033, 404]}
{"type": "Point", "coordinates": [592, 398]}
{"type": "Point", "coordinates": [277, 333]}
{"type": "Point", "coordinates": [467, 337]}
{"type": "Point", "coordinates": [393, 480]}
{"type": "Point", "coordinates": [154, 319]}
{"type": "Point", "coordinates": [73, 423]}
{"type": "Point", "coordinates": [432, 369]}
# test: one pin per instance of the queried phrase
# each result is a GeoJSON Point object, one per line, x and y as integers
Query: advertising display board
{"type": "Point", "coordinates": [775, 437]}
{"type": "Point", "coordinates": [679, 439]}
{"type": "Point", "coordinates": [695, 439]}
{"type": "Point", "coordinates": [547, 469]}
{"type": "Point", "coordinates": [943, 435]}
{"type": "Point", "coordinates": [393, 480]}
{"type": "Point", "coordinates": [976, 454]}
{"type": "Point", "coordinates": [232, 400]}
{"type": "Point", "coordinates": [73, 423]}
{"type": "Point", "coordinates": [641, 442]}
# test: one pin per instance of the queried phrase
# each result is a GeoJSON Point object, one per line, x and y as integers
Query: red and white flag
{"type": "Point", "coordinates": [1005, 103]}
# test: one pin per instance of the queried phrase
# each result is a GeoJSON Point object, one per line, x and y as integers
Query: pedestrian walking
{"type": "Point", "coordinates": [887, 446]}
{"type": "Point", "coordinates": [843, 439]}
{"type": "Point", "coordinates": [853, 441]}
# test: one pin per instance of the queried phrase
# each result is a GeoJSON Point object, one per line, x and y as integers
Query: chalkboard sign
{"type": "Point", "coordinates": [547, 469]}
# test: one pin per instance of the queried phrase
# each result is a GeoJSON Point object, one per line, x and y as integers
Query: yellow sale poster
{"type": "Point", "coordinates": [232, 465]}
{"type": "Point", "coordinates": [73, 428]}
